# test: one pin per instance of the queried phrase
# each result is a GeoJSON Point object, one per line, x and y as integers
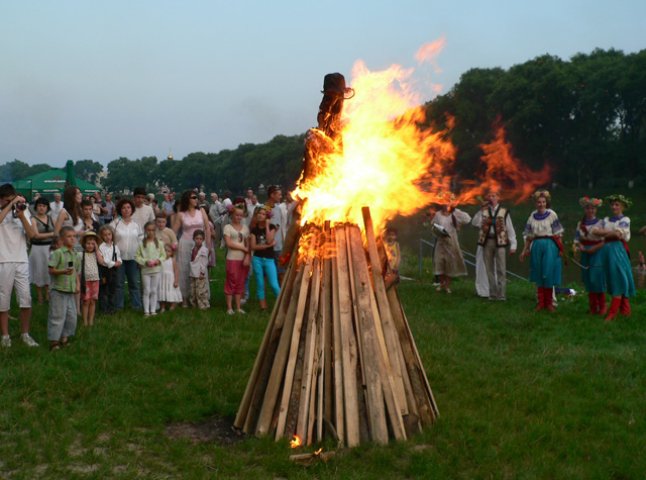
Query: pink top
{"type": "Point", "coordinates": [191, 223]}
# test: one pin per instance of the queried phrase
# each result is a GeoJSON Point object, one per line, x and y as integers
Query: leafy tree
{"type": "Point", "coordinates": [88, 170]}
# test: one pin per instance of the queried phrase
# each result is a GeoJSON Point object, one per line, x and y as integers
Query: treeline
{"type": "Point", "coordinates": [586, 117]}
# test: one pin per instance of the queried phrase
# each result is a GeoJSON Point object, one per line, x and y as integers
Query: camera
{"type": "Point", "coordinates": [21, 206]}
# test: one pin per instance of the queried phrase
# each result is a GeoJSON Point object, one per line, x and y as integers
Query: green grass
{"type": "Point", "coordinates": [521, 395]}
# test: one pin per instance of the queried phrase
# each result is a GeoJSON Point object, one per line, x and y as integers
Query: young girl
{"type": "Point", "coordinates": [199, 272]}
{"type": "Point", "coordinates": [108, 270]}
{"type": "Point", "coordinates": [90, 258]}
{"type": "Point", "coordinates": [236, 238]}
{"type": "Point", "coordinates": [262, 246]}
{"type": "Point", "coordinates": [149, 256]}
{"type": "Point", "coordinates": [169, 293]}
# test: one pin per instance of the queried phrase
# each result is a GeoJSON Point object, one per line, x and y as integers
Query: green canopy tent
{"type": "Point", "coordinates": [50, 182]}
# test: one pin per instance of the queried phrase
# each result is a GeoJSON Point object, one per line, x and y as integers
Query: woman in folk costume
{"type": "Point", "coordinates": [448, 261]}
{"type": "Point", "coordinates": [543, 245]}
{"type": "Point", "coordinates": [616, 262]}
{"type": "Point", "coordinates": [589, 243]}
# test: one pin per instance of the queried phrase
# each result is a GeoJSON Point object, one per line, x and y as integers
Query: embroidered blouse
{"type": "Point", "coordinates": [620, 225]}
{"type": "Point", "coordinates": [543, 224]}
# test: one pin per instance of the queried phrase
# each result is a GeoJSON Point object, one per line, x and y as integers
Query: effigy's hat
{"type": "Point", "coordinates": [618, 197]}
{"type": "Point", "coordinates": [590, 202]}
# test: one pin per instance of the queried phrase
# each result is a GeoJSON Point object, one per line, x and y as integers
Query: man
{"type": "Point", "coordinates": [108, 206]}
{"type": "Point", "coordinates": [278, 218]}
{"type": "Point", "coordinates": [248, 199]}
{"type": "Point", "coordinates": [15, 230]}
{"type": "Point", "coordinates": [201, 201]}
{"type": "Point", "coordinates": [143, 213]}
{"type": "Point", "coordinates": [55, 207]}
{"type": "Point", "coordinates": [167, 205]}
{"type": "Point", "coordinates": [216, 212]}
{"type": "Point", "coordinates": [496, 233]}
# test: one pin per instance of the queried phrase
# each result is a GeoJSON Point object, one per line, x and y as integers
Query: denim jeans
{"type": "Point", "coordinates": [261, 267]}
{"type": "Point", "coordinates": [129, 269]}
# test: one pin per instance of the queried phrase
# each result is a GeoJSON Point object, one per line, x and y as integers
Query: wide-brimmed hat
{"type": "Point", "coordinates": [618, 197]}
{"type": "Point", "coordinates": [89, 234]}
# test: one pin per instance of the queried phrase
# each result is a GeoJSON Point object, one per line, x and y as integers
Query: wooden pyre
{"type": "Point", "coordinates": [338, 359]}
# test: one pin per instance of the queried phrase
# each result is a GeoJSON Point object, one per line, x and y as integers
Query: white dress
{"type": "Point", "coordinates": [167, 292]}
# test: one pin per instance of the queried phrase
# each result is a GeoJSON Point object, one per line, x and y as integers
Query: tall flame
{"type": "Point", "coordinates": [386, 158]}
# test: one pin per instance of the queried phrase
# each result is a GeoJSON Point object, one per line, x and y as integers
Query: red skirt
{"type": "Point", "coordinates": [236, 276]}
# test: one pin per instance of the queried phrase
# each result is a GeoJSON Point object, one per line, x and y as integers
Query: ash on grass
{"type": "Point", "coordinates": [215, 429]}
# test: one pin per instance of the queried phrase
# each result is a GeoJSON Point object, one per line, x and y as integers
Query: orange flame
{"type": "Point", "coordinates": [388, 159]}
{"type": "Point", "coordinates": [295, 442]}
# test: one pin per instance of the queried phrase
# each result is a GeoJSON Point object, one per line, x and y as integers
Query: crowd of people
{"type": "Point", "coordinates": [81, 253]}
{"type": "Point", "coordinates": [601, 244]}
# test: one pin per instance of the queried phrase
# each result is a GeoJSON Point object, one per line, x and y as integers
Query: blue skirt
{"type": "Point", "coordinates": [619, 273]}
{"type": "Point", "coordinates": [594, 277]}
{"type": "Point", "coordinates": [545, 263]}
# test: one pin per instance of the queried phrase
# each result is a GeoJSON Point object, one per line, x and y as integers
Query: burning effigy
{"type": "Point", "coordinates": [338, 359]}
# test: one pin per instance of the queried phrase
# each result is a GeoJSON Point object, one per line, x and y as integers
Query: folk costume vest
{"type": "Point", "coordinates": [497, 219]}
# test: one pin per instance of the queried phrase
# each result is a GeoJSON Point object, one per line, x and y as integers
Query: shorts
{"type": "Point", "coordinates": [91, 291]}
{"type": "Point", "coordinates": [20, 274]}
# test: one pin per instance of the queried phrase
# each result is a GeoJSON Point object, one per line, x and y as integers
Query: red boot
{"type": "Point", "coordinates": [601, 303]}
{"type": "Point", "coordinates": [592, 301]}
{"type": "Point", "coordinates": [614, 309]}
{"type": "Point", "coordinates": [624, 308]}
{"type": "Point", "coordinates": [540, 298]}
{"type": "Point", "coordinates": [549, 299]}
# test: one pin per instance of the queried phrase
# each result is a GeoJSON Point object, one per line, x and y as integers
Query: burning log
{"type": "Point", "coordinates": [337, 358]}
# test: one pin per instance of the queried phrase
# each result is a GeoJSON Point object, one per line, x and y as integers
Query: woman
{"type": "Point", "coordinates": [542, 236]}
{"type": "Point", "coordinates": [616, 263]}
{"type": "Point", "coordinates": [589, 244]}
{"type": "Point", "coordinates": [188, 219]}
{"type": "Point", "coordinates": [127, 235]}
{"type": "Point", "coordinates": [448, 261]}
{"type": "Point", "coordinates": [71, 214]}
{"type": "Point", "coordinates": [40, 244]}
{"type": "Point", "coordinates": [262, 247]}
{"type": "Point", "coordinates": [236, 238]}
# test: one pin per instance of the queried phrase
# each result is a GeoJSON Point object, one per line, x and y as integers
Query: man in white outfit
{"type": "Point", "coordinates": [496, 234]}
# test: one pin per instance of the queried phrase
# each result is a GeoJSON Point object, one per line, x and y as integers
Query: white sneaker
{"type": "Point", "coordinates": [230, 312]}
{"type": "Point", "coordinates": [27, 340]}
{"type": "Point", "coordinates": [241, 311]}
{"type": "Point", "coordinates": [5, 342]}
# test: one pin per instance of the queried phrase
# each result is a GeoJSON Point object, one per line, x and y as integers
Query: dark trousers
{"type": "Point", "coordinates": [108, 290]}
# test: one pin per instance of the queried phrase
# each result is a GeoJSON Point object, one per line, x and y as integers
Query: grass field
{"type": "Point", "coordinates": [521, 395]}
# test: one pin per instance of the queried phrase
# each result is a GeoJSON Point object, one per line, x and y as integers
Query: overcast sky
{"type": "Point", "coordinates": [84, 79]}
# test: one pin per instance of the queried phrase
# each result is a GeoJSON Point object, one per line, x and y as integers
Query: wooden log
{"type": "Point", "coordinates": [293, 343]}
{"type": "Point", "coordinates": [386, 329]}
{"type": "Point", "coordinates": [324, 386]}
{"type": "Point", "coordinates": [337, 344]}
{"type": "Point", "coordinates": [348, 344]}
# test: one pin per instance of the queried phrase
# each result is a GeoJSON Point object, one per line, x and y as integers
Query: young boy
{"type": "Point", "coordinates": [64, 266]}
{"type": "Point", "coordinates": [199, 289]}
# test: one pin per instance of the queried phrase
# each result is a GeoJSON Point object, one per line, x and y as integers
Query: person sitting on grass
{"type": "Point", "coordinates": [90, 259]}
{"type": "Point", "coordinates": [199, 272]}
{"type": "Point", "coordinates": [64, 267]}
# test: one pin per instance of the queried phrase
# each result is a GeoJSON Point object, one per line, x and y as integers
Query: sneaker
{"type": "Point", "coordinates": [241, 311]}
{"type": "Point", "coordinates": [27, 340]}
{"type": "Point", "coordinates": [146, 314]}
{"type": "Point", "coordinates": [5, 342]}
{"type": "Point", "coordinates": [230, 312]}
{"type": "Point", "coordinates": [153, 313]}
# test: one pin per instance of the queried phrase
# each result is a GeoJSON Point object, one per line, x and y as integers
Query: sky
{"type": "Point", "coordinates": [83, 79]}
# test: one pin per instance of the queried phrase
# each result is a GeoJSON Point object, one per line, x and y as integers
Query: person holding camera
{"type": "Point", "coordinates": [15, 230]}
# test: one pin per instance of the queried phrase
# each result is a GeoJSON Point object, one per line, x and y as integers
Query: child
{"type": "Point", "coordinates": [262, 246]}
{"type": "Point", "coordinates": [393, 254]}
{"type": "Point", "coordinates": [199, 272]}
{"type": "Point", "coordinates": [236, 237]}
{"type": "Point", "coordinates": [64, 267]}
{"type": "Point", "coordinates": [90, 259]}
{"type": "Point", "coordinates": [149, 256]}
{"type": "Point", "coordinates": [108, 270]}
{"type": "Point", "coordinates": [169, 293]}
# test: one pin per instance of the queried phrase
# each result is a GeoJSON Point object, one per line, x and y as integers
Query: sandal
{"type": "Point", "coordinates": [53, 346]}
{"type": "Point", "coordinates": [64, 342]}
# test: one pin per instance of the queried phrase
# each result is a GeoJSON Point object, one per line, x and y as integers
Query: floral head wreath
{"type": "Point", "coordinates": [590, 202]}
{"type": "Point", "coordinates": [446, 198]}
{"type": "Point", "coordinates": [618, 197]}
{"type": "Point", "coordinates": [542, 193]}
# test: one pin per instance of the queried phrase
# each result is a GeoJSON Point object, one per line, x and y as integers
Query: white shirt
{"type": "Point", "coordinates": [55, 210]}
{"type": "Point", "coordinates": [509, 226]}
{"type": "Point", "coordinates": [127, 237]}
{"type": "Point", "coordinates": [279, 220]}
{"type": "Point", "coordinates": [143, 215]}
{"type": "Point", "coordinates": [108, 252]}
{"type": "Point", "coordinates": [13, 240]}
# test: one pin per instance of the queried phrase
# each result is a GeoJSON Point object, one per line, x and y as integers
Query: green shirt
{"type": "Point", "coordinates": [60, 260]}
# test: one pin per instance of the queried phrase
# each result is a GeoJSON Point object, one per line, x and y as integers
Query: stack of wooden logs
{"type": "Point", "coordinates": [338, 358]}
